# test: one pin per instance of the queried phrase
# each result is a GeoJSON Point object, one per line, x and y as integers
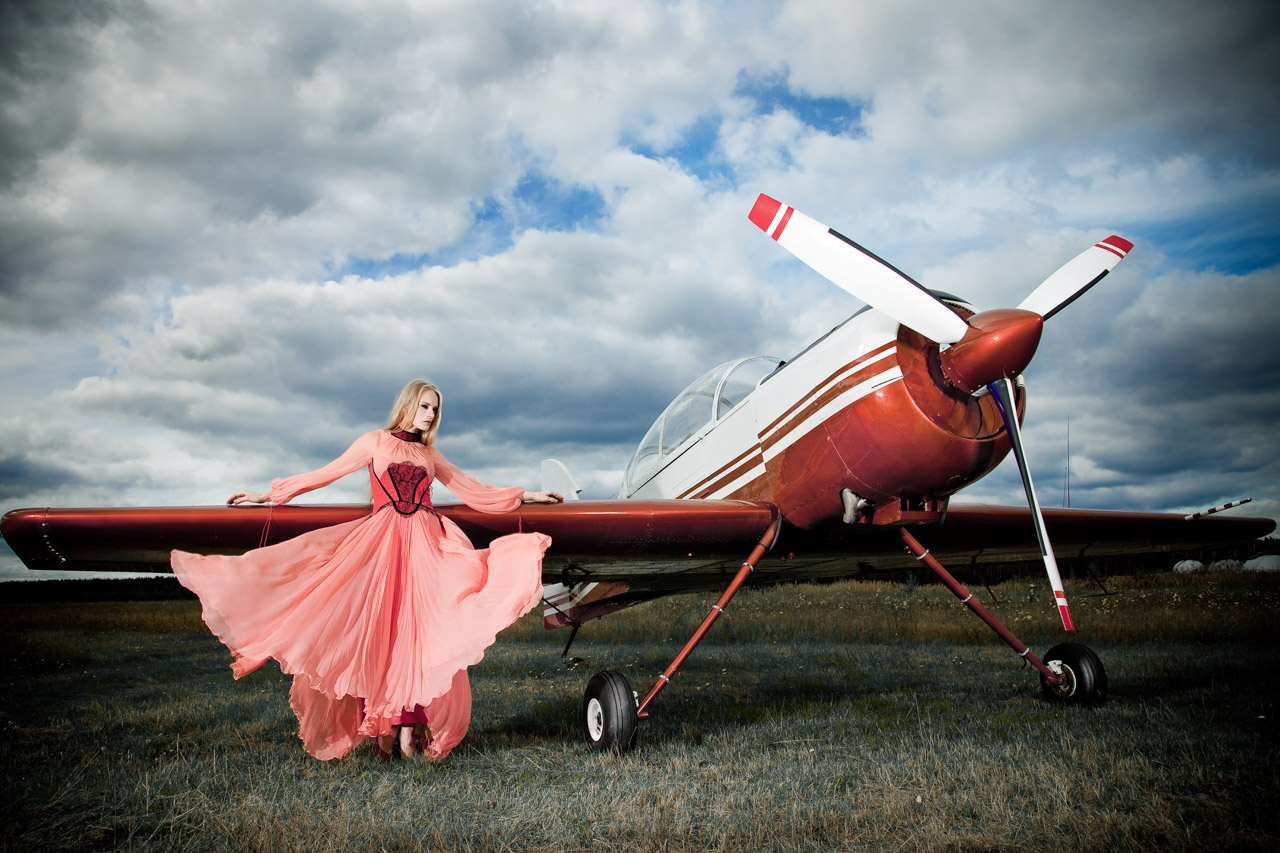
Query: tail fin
{"type": "Point", "coordinates": [556, 478]}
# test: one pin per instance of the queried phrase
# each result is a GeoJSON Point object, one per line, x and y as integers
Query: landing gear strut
{"type": "Point", "coordinates": [1073, 674]}
{"type": "Point", "coordinates": [609, 707]}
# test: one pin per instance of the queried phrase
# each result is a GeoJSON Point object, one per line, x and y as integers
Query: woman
{"type": "Point", "coordinates": [376, 619]}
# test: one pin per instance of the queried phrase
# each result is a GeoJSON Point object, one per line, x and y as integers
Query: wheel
{"type": "Point", "coordinates": [1084, 681]}
{"type": "Point", "coordinates": [609, 712]}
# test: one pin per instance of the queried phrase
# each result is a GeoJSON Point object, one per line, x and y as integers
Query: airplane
{"type": "Point", "coordinates": [817, 467]}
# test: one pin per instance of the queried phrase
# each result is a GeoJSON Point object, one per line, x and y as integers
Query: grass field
{"type": "Point", "coordinates": [852, 716]}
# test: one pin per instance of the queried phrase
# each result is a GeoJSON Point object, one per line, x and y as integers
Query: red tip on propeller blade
{"type": "Point", "coordinates": [764, 211]}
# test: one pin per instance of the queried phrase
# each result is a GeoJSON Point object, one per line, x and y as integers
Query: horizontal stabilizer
{"type": "Point", "coordinates": [556, 477]}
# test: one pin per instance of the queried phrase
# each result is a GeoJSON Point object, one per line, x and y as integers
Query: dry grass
{"type": "Point", "coordinates": [1208, 607]}
{"type": "Point", "coordinates": [807, 721]}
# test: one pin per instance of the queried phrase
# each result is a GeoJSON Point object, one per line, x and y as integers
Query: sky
{"type": "Point", "coordinates": [231, 231]}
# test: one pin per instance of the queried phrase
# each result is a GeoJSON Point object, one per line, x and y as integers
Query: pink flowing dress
{"type": "Point", "coordinates": [376, 619]}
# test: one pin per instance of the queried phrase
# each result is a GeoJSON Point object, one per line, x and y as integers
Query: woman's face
{"type": "Point", "coordinates": [425, 414]}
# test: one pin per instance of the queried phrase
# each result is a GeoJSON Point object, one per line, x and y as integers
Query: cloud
{"type": "Point", "coordinates": [231, 232]}
{"type": "Point", "coordinates": [950, 84]}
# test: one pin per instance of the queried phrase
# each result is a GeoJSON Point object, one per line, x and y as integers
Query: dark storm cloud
{"type": "Point", "coordinates": [19, 477]}
{"type": "Point", "coordinates": [43, 50]}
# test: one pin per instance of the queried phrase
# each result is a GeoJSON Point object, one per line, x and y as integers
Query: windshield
{"type": "Point", "coordinates": [708, 398]}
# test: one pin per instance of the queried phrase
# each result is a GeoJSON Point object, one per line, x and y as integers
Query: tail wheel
{"type": "Point", "coordinates": [609, 713]}
{"type": "Point", "coordinates": [1084, 681]}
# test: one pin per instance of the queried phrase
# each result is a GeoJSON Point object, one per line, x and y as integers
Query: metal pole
{"type": "Point", "coordinates": [966, 598]}
{"type": "Point", "coordinates": [766, 541]}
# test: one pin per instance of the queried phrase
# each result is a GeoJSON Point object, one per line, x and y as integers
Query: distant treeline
{"type": "Point", "coordinates": [1083, 568]}
{"type": "Point", "coordinates": [93, 589]}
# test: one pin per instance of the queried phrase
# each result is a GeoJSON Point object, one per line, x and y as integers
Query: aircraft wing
{"type": "Point", "coordinates": [631, 537]}
{"type": "Point", "coordinates": [659, 546]}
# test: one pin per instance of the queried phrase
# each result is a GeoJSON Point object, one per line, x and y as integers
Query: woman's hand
{"type": "Point", "coordinates": [542, 497]}
{"type": "Point", "coordinates": [248, 497]}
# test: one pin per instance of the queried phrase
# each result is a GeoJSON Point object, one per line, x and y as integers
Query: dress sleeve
{"type": "Point", "coordinates": [357, 456]}
{"type": "Point", "coordinates": [474, 493]}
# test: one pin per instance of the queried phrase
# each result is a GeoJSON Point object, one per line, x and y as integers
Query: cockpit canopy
{"type": "Point", "coordinates": [708, 399]}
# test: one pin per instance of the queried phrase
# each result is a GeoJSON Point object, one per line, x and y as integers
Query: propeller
{"type": "Point", "coordinates": [987, 351]}
{"type": "Point", "coordinates": [1076, 276]}
{"type": "Point", "coordinates": [856, 270]}
{"type": "Point", "coordinates": [1002, 390]}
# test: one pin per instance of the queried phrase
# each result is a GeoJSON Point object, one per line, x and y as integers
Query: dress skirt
{"type": "Point", "coordinates": [376, 620]}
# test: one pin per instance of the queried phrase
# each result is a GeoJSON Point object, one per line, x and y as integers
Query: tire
{"type": "Point", "coordinates": [1084, 680]}
{"type": "Point", "coordinates": [609, 713]}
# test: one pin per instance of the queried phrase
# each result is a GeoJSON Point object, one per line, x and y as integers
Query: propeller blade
{"type": "Point", "coordinates": [1076, 276]}
{"type": "Point", "coordinates": [858, 271]}
{"type": "Point", "coordinates": [1002, 391]}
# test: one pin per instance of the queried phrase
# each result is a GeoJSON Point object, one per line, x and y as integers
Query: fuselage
{"type": "Point", "coordinates": [864, 408]}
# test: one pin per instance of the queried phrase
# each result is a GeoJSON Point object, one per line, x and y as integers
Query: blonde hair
{"type": "Point", "coordinates": [402, 411]}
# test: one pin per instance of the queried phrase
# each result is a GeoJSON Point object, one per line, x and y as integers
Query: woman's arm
{"type": "Point", "coordinates": [286, 489]}
{"type": "Point", "coordinates": [482, 496]}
